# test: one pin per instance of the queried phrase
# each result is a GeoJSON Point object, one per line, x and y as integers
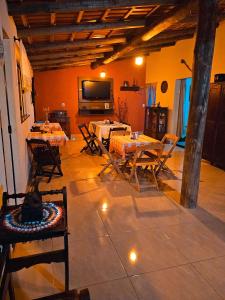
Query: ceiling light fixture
{"type": "Point", "coordinates": [139, 60]}
{"type": "Point", "coordinates": [102, 74]}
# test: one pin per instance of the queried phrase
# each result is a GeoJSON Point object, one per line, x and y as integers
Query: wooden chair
{"type": "Point", "coordinates": [169, 141]}
{"type": "Point", "coordinates": [113, 159]}
{"type": "Point", "coordinates": [113, 132]}
{"type": "Point", "coordinates": [45, 156]}
{"type": "Point", "coordinates": [140, 160]}
{"type": "Point", "coordinates": [88, 138]}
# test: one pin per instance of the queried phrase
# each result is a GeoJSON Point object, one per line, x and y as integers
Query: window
{"type": "Point", "coordinates": [23, 109]}
{"type": "Point", "coordinates": [151, 94]}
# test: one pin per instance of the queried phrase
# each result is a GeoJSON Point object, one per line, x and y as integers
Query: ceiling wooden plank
{"type": "Point", "coordinates": [104, 15]}
{"type": "Point", "coordinates": [80, 16]}
{"type": "Point", "coordinates": [76, 44]}
{"type": "Point", "coordinates": [75, 6]}
{"type": "Point", "coordinates": [62, 66]}
{"type": "Point", "coordinates": [38, 57]}
{"type": "Point", "coordinates": [53, 18]}
{"type": "Point", "coordinates": [129, 12]}
{"type": "Point", "coordinates": [176, 16]}
{"type": "Point", "coordinates": [23, 33]}
{"type": "Point", "coordinates": [66, 60]}
{"type": "Point", "coordinates": [26, 24]}
{"type": "Point", "coordinates": [152, 10]}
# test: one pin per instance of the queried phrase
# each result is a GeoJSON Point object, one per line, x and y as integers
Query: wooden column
{"type": "Point", "coordinates": [203, 55]}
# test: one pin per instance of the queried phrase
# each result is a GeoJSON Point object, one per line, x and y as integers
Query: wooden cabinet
{"type": "Point", "coordinates": [156, 119]}
{"type": "Point", "coordinates": [60, 116]}
{"type": "Point", "coordinates": [214, 139]}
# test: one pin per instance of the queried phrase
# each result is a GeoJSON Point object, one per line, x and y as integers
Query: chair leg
{"type": "Point", "coordinates": [105, 167]}
{"type": "Point", "coordinates": [136, 178]}
{"type": "Point", "coordinates": [131, 173]}
{"type": "Point", "coordinates": [155, 179]}
{"type": "Point", "coordinates": [51, 174]}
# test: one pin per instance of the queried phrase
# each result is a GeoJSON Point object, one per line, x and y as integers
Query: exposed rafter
{"type": "Point", "coordinates": [75, 6]}
{"type": "Point", "coordinates": [62, 66]}
{"type": "Point", "coordinates": [66, 60]}
{"type": "Point", "coordinates": [26, 24]}
{"type": "Point", "coordinates": [76, 44]}
{"type": "Point", "coordinates": [129, 12]}
{"type": "Point", "coordinates": [63, 54]}
{"type": "Point", "coordinates": [178, 15]}
{"type": "Point", "coordinates": [104, 15]}
{"type": "Point", "coordinates": [23, 33]}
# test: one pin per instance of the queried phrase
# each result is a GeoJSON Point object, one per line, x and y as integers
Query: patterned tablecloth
{"type": "Point", "coordinates": [102, 130]}
{"type": "Point", "coordinates": [56, 138]}
{"type": "Point", "coordinates": [49, 127]}
{"type": "Point", "coordinates": [124, 144]}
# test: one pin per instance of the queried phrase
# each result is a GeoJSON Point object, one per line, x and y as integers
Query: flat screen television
{"type": "Point", "coordinates": [96, 90]}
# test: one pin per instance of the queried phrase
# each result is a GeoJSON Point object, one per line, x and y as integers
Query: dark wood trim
{"type": "Point", "coordinates": [203, 55]}
{"type": "Point", "coordinates": [76, 6]}
{"type": "Point", "coordinates": [39, 31]}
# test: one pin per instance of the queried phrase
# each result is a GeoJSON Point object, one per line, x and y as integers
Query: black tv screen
{"type": "Point", "coordinates": [96, 90]}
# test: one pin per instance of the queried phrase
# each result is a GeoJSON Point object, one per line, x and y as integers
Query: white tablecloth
{"type": "Point", "coordinates": [102, 130]}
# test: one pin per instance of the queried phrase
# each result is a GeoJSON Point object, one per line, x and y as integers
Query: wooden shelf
{"type": "Point", "coordinates": [130, 88]}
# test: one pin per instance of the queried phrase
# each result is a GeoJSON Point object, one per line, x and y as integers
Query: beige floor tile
{"type": "Point", "coordinates": [91, 261]}
{"type": "Point", "coordinates": [145, 251]}
{"type": "Point", "coordinates": [213, 270]}
{"type": "Point", "coordinates": [120, 289]}
{"type": "Point", "coordinates": [195, 241]}
{"type": "Point", "coordinates": [181, 283]}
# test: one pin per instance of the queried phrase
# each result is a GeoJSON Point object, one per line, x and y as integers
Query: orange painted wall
{"type": "Point", "coordinates": [57, 86]}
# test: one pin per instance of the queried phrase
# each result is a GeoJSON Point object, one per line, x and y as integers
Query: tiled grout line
{"type": "Point", "coordinates": [119, 258]}
{"type": "Point", "coordinates": [206, 281]}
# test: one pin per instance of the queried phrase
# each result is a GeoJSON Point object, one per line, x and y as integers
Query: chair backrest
{"type": "Point", "coordinates": [42, 151]}
{"type": "Point", "coordinates": [84, 131]}
{"type": "Point", "coordinates": [103, 149]}
{"type": "Point", "coordinates": [170, 141]}
{"type": "Point", "coordinates": [117, 131]}
{"type": "Point", "coordinates": [156, 147]}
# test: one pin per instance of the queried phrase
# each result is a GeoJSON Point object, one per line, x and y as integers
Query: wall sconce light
{"type": "Point", "coordinates": [139, 60]}
{"type": "Point", "coordinates": [102, 74]}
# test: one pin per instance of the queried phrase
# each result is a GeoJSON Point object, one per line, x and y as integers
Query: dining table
{"type": "Point", "coordinates": [102, 128]}
{"type": "Point", "coordinates": [126, 144]}
{"type": "Point", "coordinates": [55, 138]}
{"type": "Point", "coordinates": [48, 126]}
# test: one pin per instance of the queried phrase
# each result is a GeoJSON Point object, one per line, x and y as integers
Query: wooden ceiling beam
{"type": "Point", "coordinates": [165, 40]}
{"type": "Point", "coordinates": [26, 24]}
{"type": "Point", "coordinates": [53, 18]}
{"type": "Point", "coordinates": [59, 67]}
{"type": "Point", "coordinates": [43, 31]}
{"type": "Point", "coordinates": [152, 11]}
{"type": "Point", "coordinates": [39, 57]}
{"type": "Point", "coordinates": [66, 60]}
{"type": "Point", "coordinates": [75, 6]}
{"type": "Point", "coordinates": [76, 44]}
{"type": "Point", "coordinates": [64, 64]}
{"type": "Point", "coordinates": [79, 16]}
{"type": "Point", "coordinates": [176, 16]}
{"type": "Point", "coordinates": [129, 12]}
{"type": "Point", "coordinates": [104, 15]}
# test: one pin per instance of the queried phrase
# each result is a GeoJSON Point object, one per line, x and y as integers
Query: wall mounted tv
{"type": "Point", "coordinates": [95, 89]}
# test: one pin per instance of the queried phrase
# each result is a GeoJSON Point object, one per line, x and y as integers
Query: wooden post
{"type": "Point", "coordinates": [203, 55]}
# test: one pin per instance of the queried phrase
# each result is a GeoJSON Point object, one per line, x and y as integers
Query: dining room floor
{"type": "Point", "coordinates": [127, 245]}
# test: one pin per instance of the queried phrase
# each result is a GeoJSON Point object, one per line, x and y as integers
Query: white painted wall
{"type": "Point", "coordinates": [165, 65]}
{"type": "Point", "coordinates": [19, 130]}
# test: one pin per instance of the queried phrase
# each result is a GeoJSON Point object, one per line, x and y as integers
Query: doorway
{"type": "Point", "coordinates": [183, 109]}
